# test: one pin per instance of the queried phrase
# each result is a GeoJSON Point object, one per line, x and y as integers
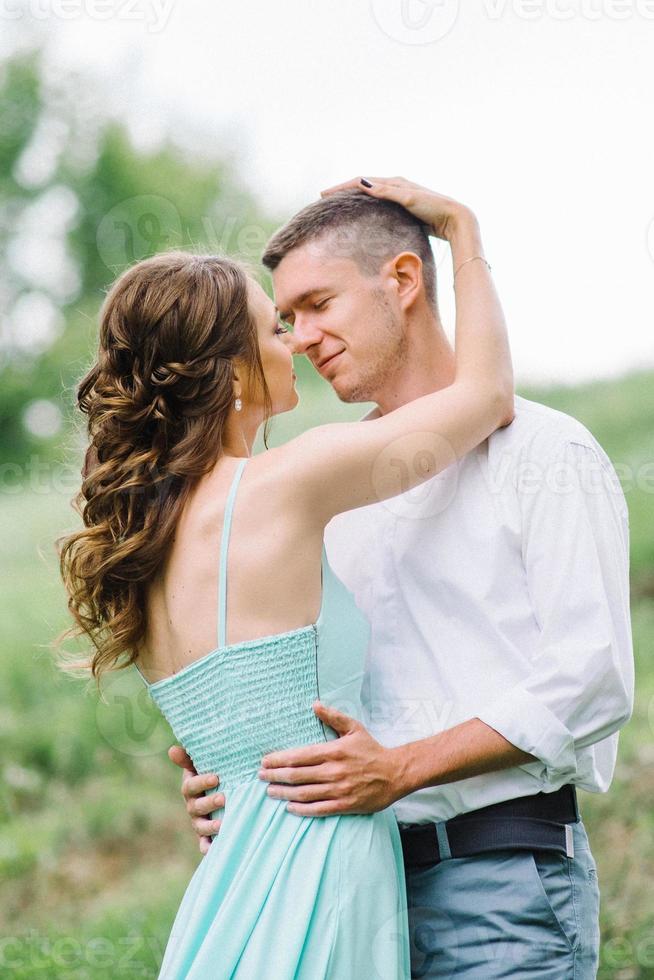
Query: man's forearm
{"type": "Point", "coordinates": [468, 749]}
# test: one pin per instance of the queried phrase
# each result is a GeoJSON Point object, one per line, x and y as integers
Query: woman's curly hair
{"type": "Point", "coordinates": [157, 400]}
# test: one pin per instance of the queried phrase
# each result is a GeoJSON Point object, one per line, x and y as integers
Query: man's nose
{"type": "Point", "coordinates": [306, 334]}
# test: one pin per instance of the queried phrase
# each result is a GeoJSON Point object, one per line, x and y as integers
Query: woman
{"type": "Point", "coordinates": [192, 359]}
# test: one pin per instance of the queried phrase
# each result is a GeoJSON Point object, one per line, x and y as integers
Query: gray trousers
{"type": "Point", "coordinates": [518, 914]}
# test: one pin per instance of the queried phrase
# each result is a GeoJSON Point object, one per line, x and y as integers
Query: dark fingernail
{"type": "Point", "coordinates": [366, 183]}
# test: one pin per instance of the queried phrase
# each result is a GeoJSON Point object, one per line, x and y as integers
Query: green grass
{"type": "Point", "coordinates": [95, 850]}
{"type": "Point", "coordinates": [621, 415]}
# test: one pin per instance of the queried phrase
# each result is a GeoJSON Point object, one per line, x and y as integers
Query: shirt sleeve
{"type": "Point", "coordinates": [575, 547]}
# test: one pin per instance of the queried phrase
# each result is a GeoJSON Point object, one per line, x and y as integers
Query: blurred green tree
{"type": "Point", "coordinates": [78, 204]}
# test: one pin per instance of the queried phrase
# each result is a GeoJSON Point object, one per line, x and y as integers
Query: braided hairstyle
{"type": "Point", "coordinates": [157, 400]}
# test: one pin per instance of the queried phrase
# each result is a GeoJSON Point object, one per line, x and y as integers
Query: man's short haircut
{"type": "Point", "coordinates": [366, 229]}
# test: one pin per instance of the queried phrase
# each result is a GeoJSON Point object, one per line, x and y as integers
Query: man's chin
{"type": "Point", "coordinates": [348, 392]}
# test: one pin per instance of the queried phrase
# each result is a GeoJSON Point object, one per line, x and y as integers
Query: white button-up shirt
{"type": "Point", "coordinates": [499, 590]}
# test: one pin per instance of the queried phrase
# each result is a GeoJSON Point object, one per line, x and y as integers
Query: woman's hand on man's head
{"type": "Point", "coordinates": [444, 215]}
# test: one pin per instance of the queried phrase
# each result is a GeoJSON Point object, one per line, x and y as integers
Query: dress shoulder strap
{"type": "Point", "coordinates": [147, 683]}
{"type": "Point", "coordinates": [224, 544]}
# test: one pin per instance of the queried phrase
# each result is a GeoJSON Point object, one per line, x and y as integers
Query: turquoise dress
{"type": "Point", "coordinates": [280, 896]}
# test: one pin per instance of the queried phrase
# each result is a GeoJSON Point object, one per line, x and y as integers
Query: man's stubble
{"type": "Point", "coordinates": [388, 352]}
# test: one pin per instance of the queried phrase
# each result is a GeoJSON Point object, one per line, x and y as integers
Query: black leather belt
{"type": "Point", "coordinates": [533, 823]}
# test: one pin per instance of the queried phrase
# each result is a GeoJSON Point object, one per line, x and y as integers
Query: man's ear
{"type": "Point", "coordinates": [405, 272]}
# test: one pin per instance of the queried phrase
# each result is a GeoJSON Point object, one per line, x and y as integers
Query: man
{"type": "Point", "coordinates": [500, 655]}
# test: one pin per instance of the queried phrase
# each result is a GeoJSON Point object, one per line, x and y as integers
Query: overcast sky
{"type": "Point", "coordinates": [536, 114]}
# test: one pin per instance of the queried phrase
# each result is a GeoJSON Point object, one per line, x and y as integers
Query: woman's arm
{"type": "Point", "coordinates": [342, 466]}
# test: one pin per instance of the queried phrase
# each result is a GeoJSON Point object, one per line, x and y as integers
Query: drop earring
{"type": "Point", "coordinates": [238, 404]}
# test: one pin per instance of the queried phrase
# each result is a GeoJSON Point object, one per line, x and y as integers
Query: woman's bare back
{"type": "Point", "coordinates": [273, 568]}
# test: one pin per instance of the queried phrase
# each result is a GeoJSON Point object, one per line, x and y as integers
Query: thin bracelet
{"type": "Point", "coordinates": [471, 259]}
